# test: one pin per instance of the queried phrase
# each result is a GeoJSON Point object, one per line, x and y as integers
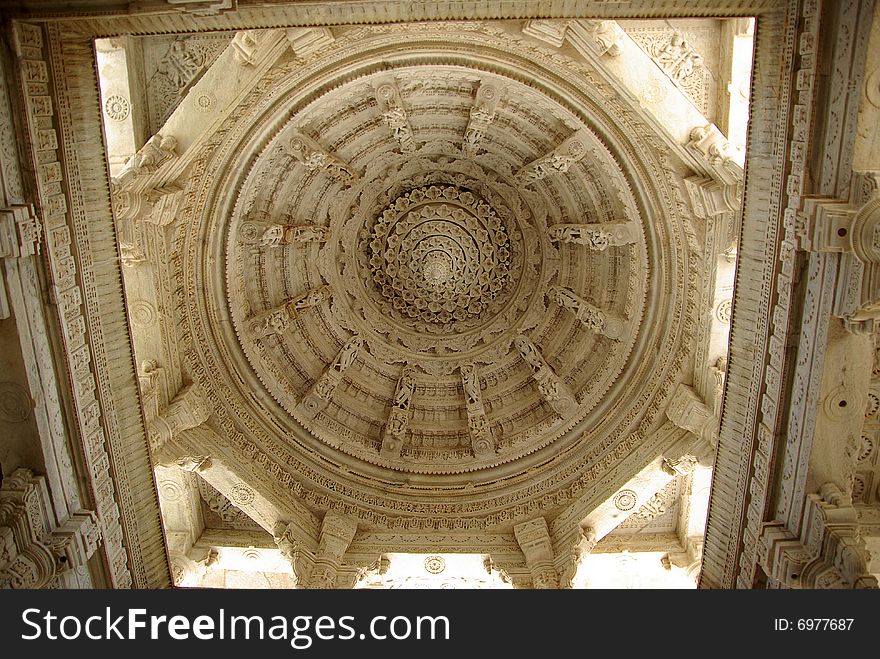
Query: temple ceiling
{"type": "Point", "coordinates": [438, 289]}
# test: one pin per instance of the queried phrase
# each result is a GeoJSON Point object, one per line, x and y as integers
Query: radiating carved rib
{"type": "Point", "coordinates": [277, 321]}
{"type": "Point", "coordinates": [592, 318]}
{"type": "Point", "coordinates": [550, 386]}
{"type": "Point", "coordinates": [394, 114]}
{"type": "Point", "coordinates": [316, 158]}
{"type": "Point", "coordinates": [274, 235]}
{"type": "Point", "coordinates": [595, 236]}
{"type": "Point", "coordinates": [482, 114]}
{"type": "Point", "coordinates": [398, 420]}
{"type": "Point", "coordinates": [319, 395]}
{"type": "Point", "coordinates": [556, 162]}
{"type": "Point", "coordinates": [482, 441]}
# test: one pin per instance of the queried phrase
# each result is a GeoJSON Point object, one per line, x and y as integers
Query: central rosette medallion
{"type": "Point", "coordinates": [438, 257]}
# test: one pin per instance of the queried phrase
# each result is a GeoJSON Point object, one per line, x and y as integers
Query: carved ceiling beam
{"type": "Point", "coordinates": [851, 230]}
{"type": "Point", "coordinates": [593, 318]}
{"type": "Point", "coordinates": [482, 441]}
{"type": "Point", "coordinates": [394, 113]}
{"type": "Point", "coordinates": [550, 386]}
{"type": "Point", "coordinates": [317, 159]}
{"type": "Point", "coordinates": [635, 493]}
{"type": "Point", "coordinates": [398, 420]}
{"type": "Point", "coordinates": [707, 144]}
{"type": "Point", "coordinates": [36, 551]}
{"type": "Point", "coordinates": [319, 395]}
{"type": "Point", "coordinates": [829, 552]}
{"type": "Point", "coordinates": [597, 237]}
{"type": "Point", "coordinates": [481, 116]}
{"type": "Point", "coordinates": [231, 473]}
{"type": "Point", "coordinates": [275, 235]}
{"type": "Point", "coordinates": [277, 321]}
{"type": "Point", "coordinates": [557, 161]}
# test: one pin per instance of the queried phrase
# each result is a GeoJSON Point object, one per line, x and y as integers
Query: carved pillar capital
{"type": "Point", "coordinates": [533, 537]}
{"type": "Point", "coordinates": [337, 532]}
{"type": "Point", "coordinates": [853, 231]}
{"type": "Point", "coordinates": [33, 548]}
{"type": "Point", "coordinates": [829, 552]}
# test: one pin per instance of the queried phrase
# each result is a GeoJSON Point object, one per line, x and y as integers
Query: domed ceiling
{"type": "Point", "coordinates": [435, 286]}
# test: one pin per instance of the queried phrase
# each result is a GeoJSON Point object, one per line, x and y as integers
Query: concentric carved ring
{"type": "Point", "coordinates": [441, 255]}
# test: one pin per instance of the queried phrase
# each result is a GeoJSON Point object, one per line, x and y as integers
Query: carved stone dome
{"type": "Point", "coordinates": [446, 266]}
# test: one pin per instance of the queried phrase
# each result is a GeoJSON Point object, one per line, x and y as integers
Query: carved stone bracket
{"type": "Point", "coordinates": [827, 225]}
{"type": "Point", "coordinates": [203, 7]}
{"type": "Point", "coordinates": [482, 441]}
{"type": "Point", "coordinates": [687, 410]}
{"type": "Point", "coordinates": [159, 150]}
{"type": "Point", "coordinates": [710, 198]}
{"type": "Point", "coordinates": [244, 45]}
{"type": "Point", "coordinates": [316, 158]}
{"type": "Point", "coordinates": [481, 116]}
{"type": "Point", "coordinates": [33, 549]}
{"type": "Point", "coordinates": [597, 237]}
{"type": "Point", "coordinates": [595, 37]}
{"type": "Point", "coordinates": [324, 568]}
{"type": "Point", "coordinates": [20, 234]}
{"type": "Point", "coordinates": [828, 553]}
{"type": "Point", "coordinates": [398, 420]}
{"type": "Point", "coordinates": [305, 41]}
{"type": "Point", "coordinates": [319, 395]}
{"type": "Point", "coordinates": [548, 31]}
{"type": "Point", "coordinates": [534, 540]}
{"type": "Point", "coordinates": [394, 114]}
{"type": "Point", "coordinates": [550, 386]}
{"type": "Point", "coordinates": [278, 321]}
{"type": "Point", "coordinates": [709, 146]}
{"type": "Point", "coordinates": [592, 318]}
{"type": "Point", "coordinates": [190, 408]}
{"type": "Point", "coordinates": [556, 162]}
